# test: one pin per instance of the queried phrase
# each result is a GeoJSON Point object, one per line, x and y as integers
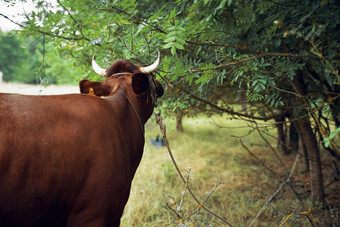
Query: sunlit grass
{"type": "Point", "coordinates": [211, 148]}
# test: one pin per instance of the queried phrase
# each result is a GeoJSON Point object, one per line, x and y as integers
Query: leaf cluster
{"type": "Point", "coordinates": [256, 47]}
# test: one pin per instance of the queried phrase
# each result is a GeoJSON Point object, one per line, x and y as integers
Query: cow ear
{"type": "Point", "coordinates": [85, 87]}
{"type": "Point", "coordinates": [140, 83]}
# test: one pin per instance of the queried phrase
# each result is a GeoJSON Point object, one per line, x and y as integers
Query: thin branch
{"type": "Point", "coordinates": [184, 190]}
{"type": "Point", "coordinates": [74, 20]}
{"type": "Point", "coordinates": [6, 17]}
{"type": "Point", "coordinates": [289, 184]}
{"type": "Point", "coordinates": [76, 38]}
{"type": "Point", "coordinates": [162, 127]}
{"type": "Point", "coordinates": [222, 66]}
{"type": "Point", "coordinates": [278, 3]}
{"type": "Point", "coordinates": [226, 110]}
{"type": "Point", "coordinates": [271, 147]}
{"type": "Point", "coordinates": [259, 160]}
{"type": "Point", "coordinates": [276, 192]}
{"type": "Point", "coordinates": [200, 205]}
{"type": "Point", "coordinates": [244, 47]}
{"type": "Point", "coordinates": [135, 18]}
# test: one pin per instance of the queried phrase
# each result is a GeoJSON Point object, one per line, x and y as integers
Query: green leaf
{"type": "Point", "coordinates": [178, 46]}
{"type": "Point", "coordinates": [170, 39]}
{"type": "Point", "coordinates": [178, 28]}
{"type": "Point", "coordinates": [326, 142]}
{"type": "Point", "coordinates": [172, 34]}
{"type": "Point", "coordinates": [169, 45]}
{"type": "Point", "coordinates": [334, 133]}
{"type": "Point", "coordinates": [173, 51]}
{"type": "Point", "coordinates": [180, 41]}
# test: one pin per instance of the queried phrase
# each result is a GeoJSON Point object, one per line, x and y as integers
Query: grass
{"type": "Point", "coordinates": [211, 152]}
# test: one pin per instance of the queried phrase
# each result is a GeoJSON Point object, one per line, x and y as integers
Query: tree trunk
{"type": "Point", "coordinates": [315, 170]}
{"type": "Point", "coordinates": [303, 147]}
{"type": "Point", "coordinates": [335, 107]}
{"type": "Point", "coordinates": [293, 138]}
{"type": "Point", "coordinates": [309, 139]}
{"type": "Point", "coordinates": [244, 103]}
{"type": "Point", "coordinates": [281, 143]}
{"type": "Point", "coordinates": [179, 125]}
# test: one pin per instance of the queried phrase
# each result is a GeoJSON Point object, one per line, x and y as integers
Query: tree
{"type": "Point", "coordinates": [282, 55]}
{"type": "Point", "coordinates": [32, 61]}
{"type": "Point", "coordinates": [16, 63]}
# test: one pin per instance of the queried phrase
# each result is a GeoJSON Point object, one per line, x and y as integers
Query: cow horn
{"type": "Point", "coordinates": [97, 68]}
{"type": "Point", "coordinates": [152, 67]}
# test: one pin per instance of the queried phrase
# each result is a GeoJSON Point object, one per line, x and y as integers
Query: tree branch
{"type": "Point", "coordinates": [227, 110]}
{"type": "Point", "coordinates": [135, 18]}
{"type": "Point", "coordinates": [222, 66]}
{"type": "Point", "coordinates": [74, 20]}
{"type": "Point", "coordinates": [76, 38]}
{"type": "Point", "coordinates": [162, 128]}
{"type": "Point", "coordinates": [259, 160]}
{"type": "Point", "coordinates": [277, 191]}
{"type": "Point", "coordinates": [6, 17]}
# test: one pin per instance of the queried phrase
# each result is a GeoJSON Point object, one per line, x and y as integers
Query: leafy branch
{"type": "Point", "coordinates": [175, 39]}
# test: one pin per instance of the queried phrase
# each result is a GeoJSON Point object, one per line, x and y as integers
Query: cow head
{"type": "Point", "coordinates": [124, 73]}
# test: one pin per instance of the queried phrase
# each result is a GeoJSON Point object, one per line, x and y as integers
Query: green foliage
{"type": "Point", "coordinates": [14, 60]}
{"type": "Point", "coordinates": [221, 51]}
{"type": "Point", "coordinates": [200, 36]}
{"type": "Point", "coordinates": [175, 39]}
{"type": "Point", "coordinates": [28, 61]}
{"type": "Point", "coordinates": [332, 135]}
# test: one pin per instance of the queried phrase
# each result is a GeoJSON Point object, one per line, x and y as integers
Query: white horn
{"type": "Point", "coordinates": [97, 68]}
{"type": "Point", "coordinates": [152, 67]}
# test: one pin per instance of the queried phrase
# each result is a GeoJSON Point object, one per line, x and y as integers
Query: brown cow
{"type": "Point", "coordinates": [68, 160]}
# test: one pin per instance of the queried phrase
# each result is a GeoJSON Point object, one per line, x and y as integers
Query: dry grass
{"type": "Point", "coordinates": [211, 152]}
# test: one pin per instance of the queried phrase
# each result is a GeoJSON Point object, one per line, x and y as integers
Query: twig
{"type": "Point", "coordinates": [179, 208]}
{"type": "Point", "coordinates": [135, 18]}
{"type": "Point", "coordinates": [200, 205]}
{"type": "Point", "coordinates": [271, 147]}
{"type": "Point", "coordinates": [74, 20]}
{"type": "Point", "coordinates": [276, 214]}
{"type": "Point", "coordinates": [6, 17]}
{"type": "Point", "coordinates": [281, 162]}
{"type": "Point", "coordinates": [162, 127]}
{"type": "Point", "coordinates": [259, 160]}
{"type": "Point", "coordinates": [172, 204]}
{"type": "Point", "coordinates": [231, 112]}
{"type": "Point", "coordinates": [277, 191]}
{"type": "Point", "coordinates": [222, 66]}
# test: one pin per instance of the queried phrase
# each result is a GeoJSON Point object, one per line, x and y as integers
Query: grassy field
{"type": "Point", "coordinates": [208, 147]}
{"type": "Point", "coordinates": [212, 152]}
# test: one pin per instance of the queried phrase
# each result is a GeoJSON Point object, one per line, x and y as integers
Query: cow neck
{"type": "Point", "coordinates": [139, 118]}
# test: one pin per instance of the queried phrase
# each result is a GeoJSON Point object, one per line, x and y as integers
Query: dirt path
{"type": "Point", "coordinates": [29, 89]}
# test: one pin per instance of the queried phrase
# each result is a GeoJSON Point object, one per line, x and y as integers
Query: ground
{"type": "Point", "coordinates": [31, 89]}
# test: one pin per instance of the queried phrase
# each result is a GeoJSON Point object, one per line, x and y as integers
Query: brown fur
{"type": "Point", "coordinates": [122, 66]}
{"type": "Point", "coordinates": [69, 160]}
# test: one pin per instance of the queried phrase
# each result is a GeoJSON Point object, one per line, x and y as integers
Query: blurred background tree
{"type": "Point", "coordinates": [29, 60]}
